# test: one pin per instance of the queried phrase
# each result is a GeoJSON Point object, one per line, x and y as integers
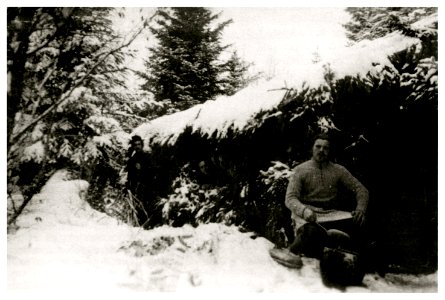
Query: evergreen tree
{"type": "Point", "coordinates": [60, 63]}
{"type": "Point", "coordinates": [397, 110]}
{"type": "Point", "coordinates": [374, 22]}
{"type": "Point", "coordinates": [185, 66]}
{"type": "Point", "coordinates": [235, 75]}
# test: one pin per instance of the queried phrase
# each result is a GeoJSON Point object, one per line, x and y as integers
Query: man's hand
{"type": "Point", "coordinates": [358, 217]}
{"type": "Point", "coordinates": [309, 215]}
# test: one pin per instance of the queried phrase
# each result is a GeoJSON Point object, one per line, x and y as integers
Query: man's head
{"type": "Point", "coordinates": [321, 148]}
{"type": "Point", "coordinates": [202, 167]}
{"type": "Point", "coordinates": [137, 143]}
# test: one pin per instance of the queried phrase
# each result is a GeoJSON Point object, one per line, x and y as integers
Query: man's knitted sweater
{"type": "Point", "coordinates": [317, 187]}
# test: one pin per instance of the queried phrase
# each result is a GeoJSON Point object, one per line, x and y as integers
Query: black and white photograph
{"type": "Point", "coordinates": [166, 147]}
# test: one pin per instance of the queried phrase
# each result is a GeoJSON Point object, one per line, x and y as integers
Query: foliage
{"type": "Point", "coordinates": [116, 202]}
{"type": "Point", "coordinates": [60, 62]}
{"type": "Point", "coordinates": [186, 66]}
{"type": "Point", "coordinates": [195, 203]}
{"type": "Point", "coordinates": [385, 129]}
{"type": "Point", "coordinates": [384, 125]}
{"type": "Point", "coordinates": [422, 83]}
{"type": "Point", "coordinates": [275, 178]}
{"type": "Point", "coordinates": [374, 22]}
{"type": "Point", "coordinates": [272, 184]}
{"type": "Point", "coordinates": [234, 75]}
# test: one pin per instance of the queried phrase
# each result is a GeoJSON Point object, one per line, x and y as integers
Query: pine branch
{"type": "Point", "coordinates": [66, 13]}
{"type": "Point", "coordinates": [17, 137]}
{"type": "Point", "coordinates": [122, 114]}
{"type": "Point", "coordinates": [47, 76]}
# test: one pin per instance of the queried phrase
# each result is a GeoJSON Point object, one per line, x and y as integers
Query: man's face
{"type": "Point", "coordinates": [320, 150]}
{"type": "Point", "coordinates": [202, 167]}
{"type": "Point", "coordinates": [138, 146]}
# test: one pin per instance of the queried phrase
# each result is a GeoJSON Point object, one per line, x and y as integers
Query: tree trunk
{"type": "Point", "coordinates": [19, 29]}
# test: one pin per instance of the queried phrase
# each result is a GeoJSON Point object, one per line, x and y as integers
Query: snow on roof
{"type": "Point", "coordinates": [360, 58]}
{"type": "Point", "coordinates": [237, 110]}
{"type": "Point", "coordinates": [426, 23]}
{"type": "Point", "coordinates": [215, 115]}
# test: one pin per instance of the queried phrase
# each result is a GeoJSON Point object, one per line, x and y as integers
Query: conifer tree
{"type": "Point", "coordinates": [185, 67]}
{"type": "Point", "coordinates": [63, 65]}
{"type": "Point", "coordinates": [235, 76]}
{"type": "Point", "coordinates": [374, 22]}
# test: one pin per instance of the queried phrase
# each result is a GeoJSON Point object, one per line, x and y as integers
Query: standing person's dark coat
{"type": "Point", "coordinates": [138, 168]}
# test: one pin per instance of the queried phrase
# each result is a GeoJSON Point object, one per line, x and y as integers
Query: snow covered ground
{"type": "Point", "coordinates": [62, 247]}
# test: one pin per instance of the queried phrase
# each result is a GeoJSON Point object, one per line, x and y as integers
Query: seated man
{"type": "Point", "coordinates": [311, 196]}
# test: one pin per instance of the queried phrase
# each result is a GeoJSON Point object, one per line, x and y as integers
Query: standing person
{"type": "Point", "coordinates": [311, 197]}
{"type": "Point", "coordinates": [137, 168]}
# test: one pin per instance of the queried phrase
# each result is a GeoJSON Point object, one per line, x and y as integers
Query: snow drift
{"type": "Point", "coordinates": [62, 245]}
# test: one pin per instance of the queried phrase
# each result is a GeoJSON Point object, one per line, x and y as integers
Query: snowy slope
{"type": "Point", "coordinates": [64, 247]}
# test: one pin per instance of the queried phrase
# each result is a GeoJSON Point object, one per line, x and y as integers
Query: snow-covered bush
{"type": "Point", "coordinates": [178, 209]}
{"type": "Point", "coordinates": [195, 203]}
{"type": "Point", "coordinates": [276, 177]}
{"type": "Point", "coordinates": [422, 83]}
{"type": "Point", "coordinates": [272, 184]}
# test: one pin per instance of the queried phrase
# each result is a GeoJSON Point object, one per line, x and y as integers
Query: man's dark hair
{"type": "Point", "coordinates": [322, 136]}
{"type": "Point", "coordinates": [135, 138]}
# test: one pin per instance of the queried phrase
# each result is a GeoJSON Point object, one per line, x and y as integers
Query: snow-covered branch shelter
{"type": "Point", "coordinates": [378, 98]}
